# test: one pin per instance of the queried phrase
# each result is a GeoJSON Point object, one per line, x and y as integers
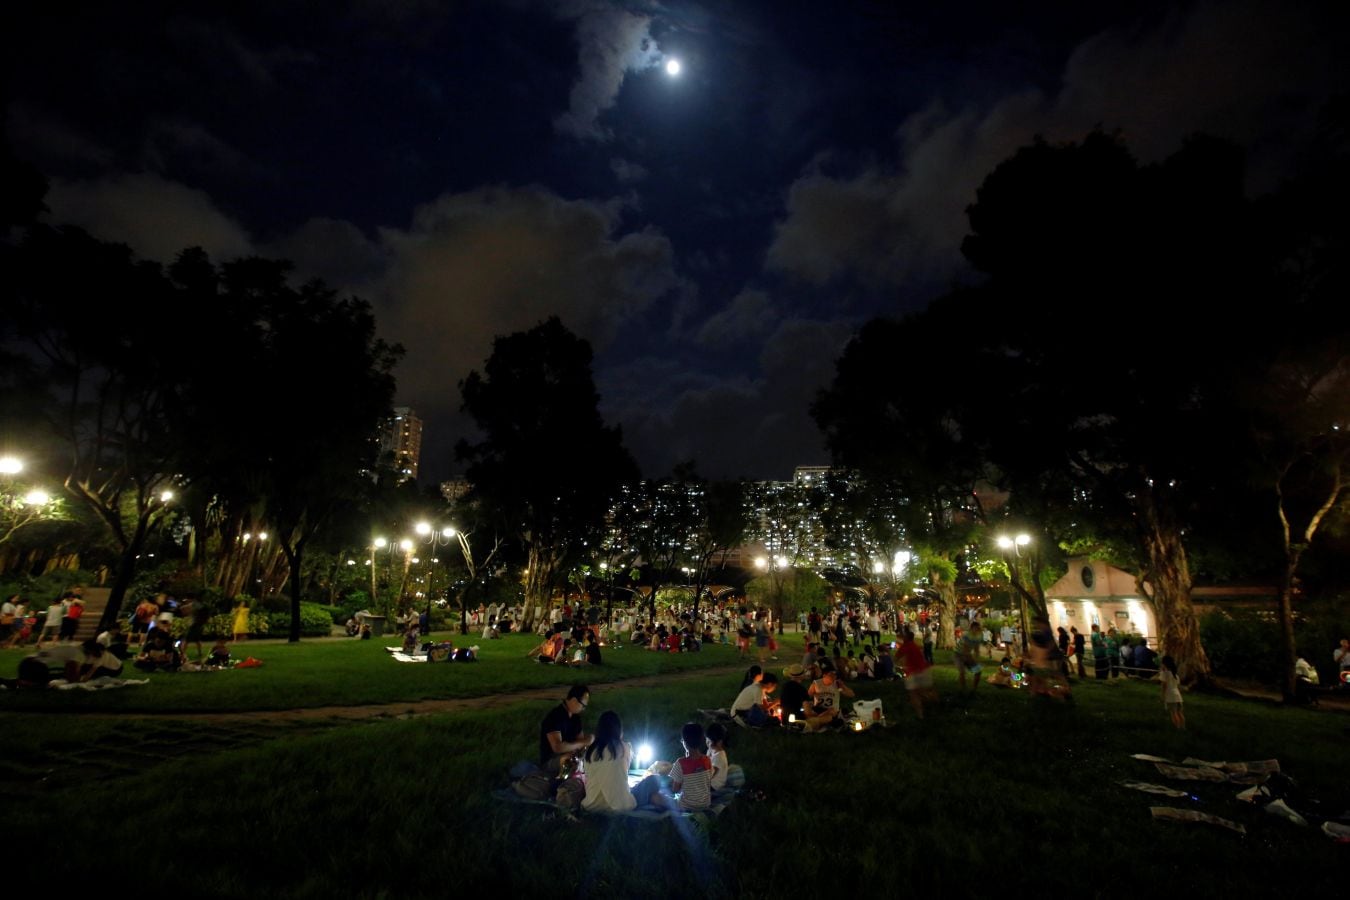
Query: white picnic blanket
{"type": "Point", "coordinates": [96, 684]}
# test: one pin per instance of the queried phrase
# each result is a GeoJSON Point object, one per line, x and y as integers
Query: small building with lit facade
{"type": "Point", "coordinates": [1093, 592]}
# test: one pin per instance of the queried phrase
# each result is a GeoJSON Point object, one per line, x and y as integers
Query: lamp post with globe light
{"type": "Point", "coordinates": [435, 538]}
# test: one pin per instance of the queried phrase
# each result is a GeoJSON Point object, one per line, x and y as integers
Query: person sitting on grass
{"type": "Point", "coordinates": [867, 663]}
{"type": "Point", "coordinates": [159, 653]}
{"type": "Point", "coordinates": [885, 665]}
{"type": "Point", "coordinates": [691, 775]}
{"type": "Point", "coordinates": [752, 704]}
{"type": "Point", "coordinates": [606, 763]}
{"type": "Point", "coordinates": [592, 649]}
{"type": "Point", "coordinates": [794, 695]}
{"type": "Point", "coordinates": [220, 654]}
{"type": "Point", "coordinates": [99, 662]}
{"type": "Point", "coordinates": [548, 650]}
{"type": "Point", "coordinates": [722, 789]}
{"type": "Point", "coordinates": [561, 736]}
{"type": "Point", "coordinates": [823, 707]}
{"type": "Point", "coordinates": [1003, 676]}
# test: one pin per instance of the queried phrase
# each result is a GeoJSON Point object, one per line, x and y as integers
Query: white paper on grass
{"type": "Point", "coordinates": [1189, 815]}
{"type": "Point", "coordinates": [1159, 789]}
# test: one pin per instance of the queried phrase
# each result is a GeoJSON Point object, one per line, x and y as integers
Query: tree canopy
{"type": "Point", "coordinates": [547, 466]}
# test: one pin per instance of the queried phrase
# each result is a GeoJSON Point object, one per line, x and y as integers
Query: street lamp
{"type": "Point", "coordinates": [378, 544]}
{"type": "Point", "coordinates": [10, 465]}
{"type": "Point", "coordinates": [434, 538]}
{"type": "Point", "coordinates": [1012, 551]}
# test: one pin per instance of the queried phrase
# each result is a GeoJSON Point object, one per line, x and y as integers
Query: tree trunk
{"type": "Point", "coordinates": [126, 571]}
{"type": "Point", "coordinates": [543, 565]}
{"type": "Point", "coordinates": [1169, 577]}
{"type": "Point", "coordinates": [297, 588]}
{"type": "Point", "coordinates": [1288, 651]}
{"type": "Point", "coordinates": [946, 590]}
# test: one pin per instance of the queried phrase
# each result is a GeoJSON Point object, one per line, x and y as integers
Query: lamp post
{"type": "Point", "coordinates": [434, 538]}
{"type": "Point", "coordinates": [1012, 552]}
{"type": "Point", "coordinates": [378, 544]}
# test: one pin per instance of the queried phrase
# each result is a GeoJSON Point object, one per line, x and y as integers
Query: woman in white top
{"type": "Point", "coordinates": [606, 763]}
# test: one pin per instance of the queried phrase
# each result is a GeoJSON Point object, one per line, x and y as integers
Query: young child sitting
{"type": "Point", "coordinates": [220, 654]}
{"type": "Point", "coordinates": [726, 778]}
{"type": "Point", "coordinates": [691, 775]}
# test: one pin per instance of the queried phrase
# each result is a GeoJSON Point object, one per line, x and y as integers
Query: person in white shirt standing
{"type": "Point", "coordinates": [52, 626]}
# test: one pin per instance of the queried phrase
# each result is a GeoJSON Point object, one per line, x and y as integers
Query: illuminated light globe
{"type": "Point", "coordinates": [673, 67]}
{"type": "Point", "coordinates": [37, 498]}
{"type": "Point", "coordinates": [10, 465]}
{"type": "Point", "coordinates": [644, 754]}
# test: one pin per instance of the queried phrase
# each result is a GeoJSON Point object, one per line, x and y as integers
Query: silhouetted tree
{"type": "Point", "coordinates": [547, 464]}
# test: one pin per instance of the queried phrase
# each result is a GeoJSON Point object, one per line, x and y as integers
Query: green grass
{"type": "Point", "coordinates": [991, 796]}
{"type": "Point", "coordinates": [351, 673]}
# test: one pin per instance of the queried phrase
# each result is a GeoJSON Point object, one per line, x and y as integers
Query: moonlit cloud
{"type": "Point", "coordinates": [611, 42]}
{"type": "Point", "coordinates": [627, 171]}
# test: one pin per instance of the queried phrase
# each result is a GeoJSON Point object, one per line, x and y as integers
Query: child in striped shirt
{"type": "Point", "coordinates": [691, 776]}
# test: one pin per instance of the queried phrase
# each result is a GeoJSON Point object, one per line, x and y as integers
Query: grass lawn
{"type": "Point", "coordinates": [993, 796]}
{"type": "Point", "coordinates": [353, 672]}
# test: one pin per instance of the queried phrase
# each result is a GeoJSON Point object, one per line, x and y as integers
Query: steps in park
{"type": "Point", "coordinates": [95, 601]}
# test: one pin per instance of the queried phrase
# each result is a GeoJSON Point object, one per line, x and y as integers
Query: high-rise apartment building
{"type": "Point", "coordinates": [401, 442]}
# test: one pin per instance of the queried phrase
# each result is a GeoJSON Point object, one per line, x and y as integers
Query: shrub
{"type": "Point", "coordinates": [1242, 644]}
{"type": "Point", "coordinates": [315, 621]}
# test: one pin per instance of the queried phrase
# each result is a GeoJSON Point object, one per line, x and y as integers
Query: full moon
{"type": "Point", "coordinates": [673, 67]}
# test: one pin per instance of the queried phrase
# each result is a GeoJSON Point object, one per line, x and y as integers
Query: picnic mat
{"type": "Point", "coordinates": [506, 795]}
{"type": "Point", "coordinates": [97, 684]}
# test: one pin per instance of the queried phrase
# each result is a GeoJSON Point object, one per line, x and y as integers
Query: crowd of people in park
{"type": "Point", "coordinates": [145, 642]}
{"type": "Point", "coordinates": [601, 771]}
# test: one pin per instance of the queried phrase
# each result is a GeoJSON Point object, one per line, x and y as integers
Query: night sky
{"type": "Point", "coordinates": [473, 167]}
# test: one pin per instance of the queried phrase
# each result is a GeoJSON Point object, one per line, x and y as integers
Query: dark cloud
{"type": "Point", "coordinates": [156, 217]}
{"type": "Point", "coordinates": [1210, 69]}
{"type": "Point", "coordinates": [734, 425]}
{"type": "Point", "coordinates": [750, 316]}
{"type": "Point", "coordinates": [44, 136]}
{"type": "Point", "coordinates": [172, 146]}
{"type": "Point", "coordinates": [334, 250]}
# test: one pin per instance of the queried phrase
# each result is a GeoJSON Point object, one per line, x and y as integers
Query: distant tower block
{"type": "Point", "coordinates": [401, 439]}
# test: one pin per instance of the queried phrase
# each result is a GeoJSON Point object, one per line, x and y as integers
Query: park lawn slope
{"type": "Point", "coordinates": [994, 794]}
{"type": "Point", "coordinates": [352, 673]}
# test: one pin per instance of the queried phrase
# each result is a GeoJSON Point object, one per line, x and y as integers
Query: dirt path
{"type": "Point", "coordinates": [409, 708]}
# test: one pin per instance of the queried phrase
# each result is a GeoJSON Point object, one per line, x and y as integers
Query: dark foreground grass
{"type": "Point", "coordinates": [352, 672]}
{"type": "Point", "coordinates": [991, 796]}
